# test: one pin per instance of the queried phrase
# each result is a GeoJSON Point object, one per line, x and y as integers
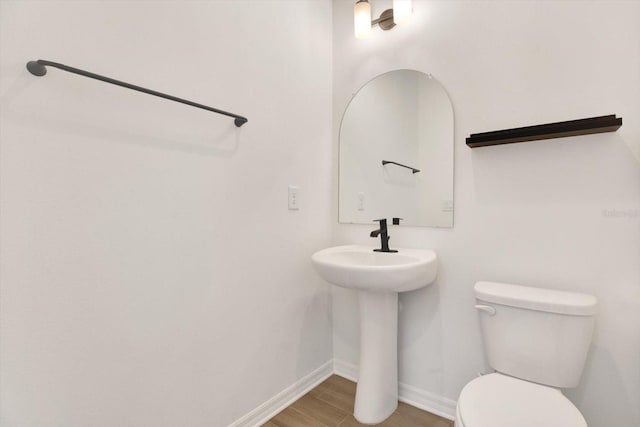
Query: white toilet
{"type": "Point", "coordinates": [537, 341]}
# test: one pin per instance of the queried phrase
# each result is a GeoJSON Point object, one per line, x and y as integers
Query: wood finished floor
{"type": "Point", "coordinates": [330, 404]}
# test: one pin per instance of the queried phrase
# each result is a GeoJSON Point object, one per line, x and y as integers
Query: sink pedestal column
{"type": "Point", "coordinates": [377, 390]}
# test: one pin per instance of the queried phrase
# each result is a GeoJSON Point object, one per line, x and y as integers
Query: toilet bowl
{"type": "Point", "coordinates": [497, 400]}
{"type": "Point", "coordinates": [537, 341]}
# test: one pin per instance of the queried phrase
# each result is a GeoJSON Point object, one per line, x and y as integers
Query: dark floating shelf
{"type": "Point", "coordinates": [591, 125]}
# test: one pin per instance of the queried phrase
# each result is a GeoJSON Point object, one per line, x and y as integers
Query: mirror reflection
{"type": "Point", "coordinates": [396, 152]}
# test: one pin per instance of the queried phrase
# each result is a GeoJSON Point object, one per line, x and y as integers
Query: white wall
{"type": "Point", "coordinates": [540, 213]}
{"type": "Point", "coordinates": [151, 274]}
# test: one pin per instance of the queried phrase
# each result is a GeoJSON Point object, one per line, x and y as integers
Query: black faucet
{"type": "Point", "coordinates": [384, 236]}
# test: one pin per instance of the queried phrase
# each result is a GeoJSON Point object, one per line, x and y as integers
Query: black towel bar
{"type": "Point", "coordinates": [37, 68]}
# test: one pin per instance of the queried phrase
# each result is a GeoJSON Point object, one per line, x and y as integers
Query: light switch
{"type": "Point", "coordinates": [361, 201]}
{"type": "Point", "coordinates": [293, 198]}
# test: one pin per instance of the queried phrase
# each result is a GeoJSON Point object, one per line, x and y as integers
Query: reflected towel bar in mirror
{"type": "Point", "coordinates": [37, 68]}
{"type": "Point", "coordinates": [414, 170]}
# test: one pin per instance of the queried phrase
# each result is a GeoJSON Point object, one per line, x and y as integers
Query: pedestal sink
{"type": "Point", "coordinates": [378, 277]}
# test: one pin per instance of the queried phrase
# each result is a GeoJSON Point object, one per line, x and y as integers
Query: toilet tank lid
{"type": "Point", "coordinates": [540, 299]}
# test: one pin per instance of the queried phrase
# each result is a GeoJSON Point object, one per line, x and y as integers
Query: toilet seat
{"type": "Point", "coordinates": [497, 400]}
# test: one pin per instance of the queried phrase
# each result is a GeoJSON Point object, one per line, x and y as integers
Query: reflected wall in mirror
{"type": "Point", "coordinates": [404, 119]}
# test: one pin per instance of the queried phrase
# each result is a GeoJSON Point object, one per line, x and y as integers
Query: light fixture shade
{"type": "Point", "coordinates": [401, 10]}
{"type": "Point", "coordinates": [362, 19]}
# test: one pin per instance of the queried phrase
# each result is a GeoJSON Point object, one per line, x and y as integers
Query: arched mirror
{"type": "Point", "coordinates": [396, 152]}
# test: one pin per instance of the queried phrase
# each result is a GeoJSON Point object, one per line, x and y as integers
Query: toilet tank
{"type": "Point", "coordinates": [539, 335]}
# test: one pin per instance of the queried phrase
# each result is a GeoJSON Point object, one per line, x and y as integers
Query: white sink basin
{"type": "Point", "coordinates": [378, 277]}
{"type": "Point", "coordinates": [358, 267]}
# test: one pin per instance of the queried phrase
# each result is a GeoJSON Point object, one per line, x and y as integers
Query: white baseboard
{"type": "Point", "coordinates": [286, 397]}
{"type": "Point", "coordinates": [346, 370]}
{"type": "Point", "coordinates": [408, 394]}
{"type": "Point", "coordinates": [439, 405]}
